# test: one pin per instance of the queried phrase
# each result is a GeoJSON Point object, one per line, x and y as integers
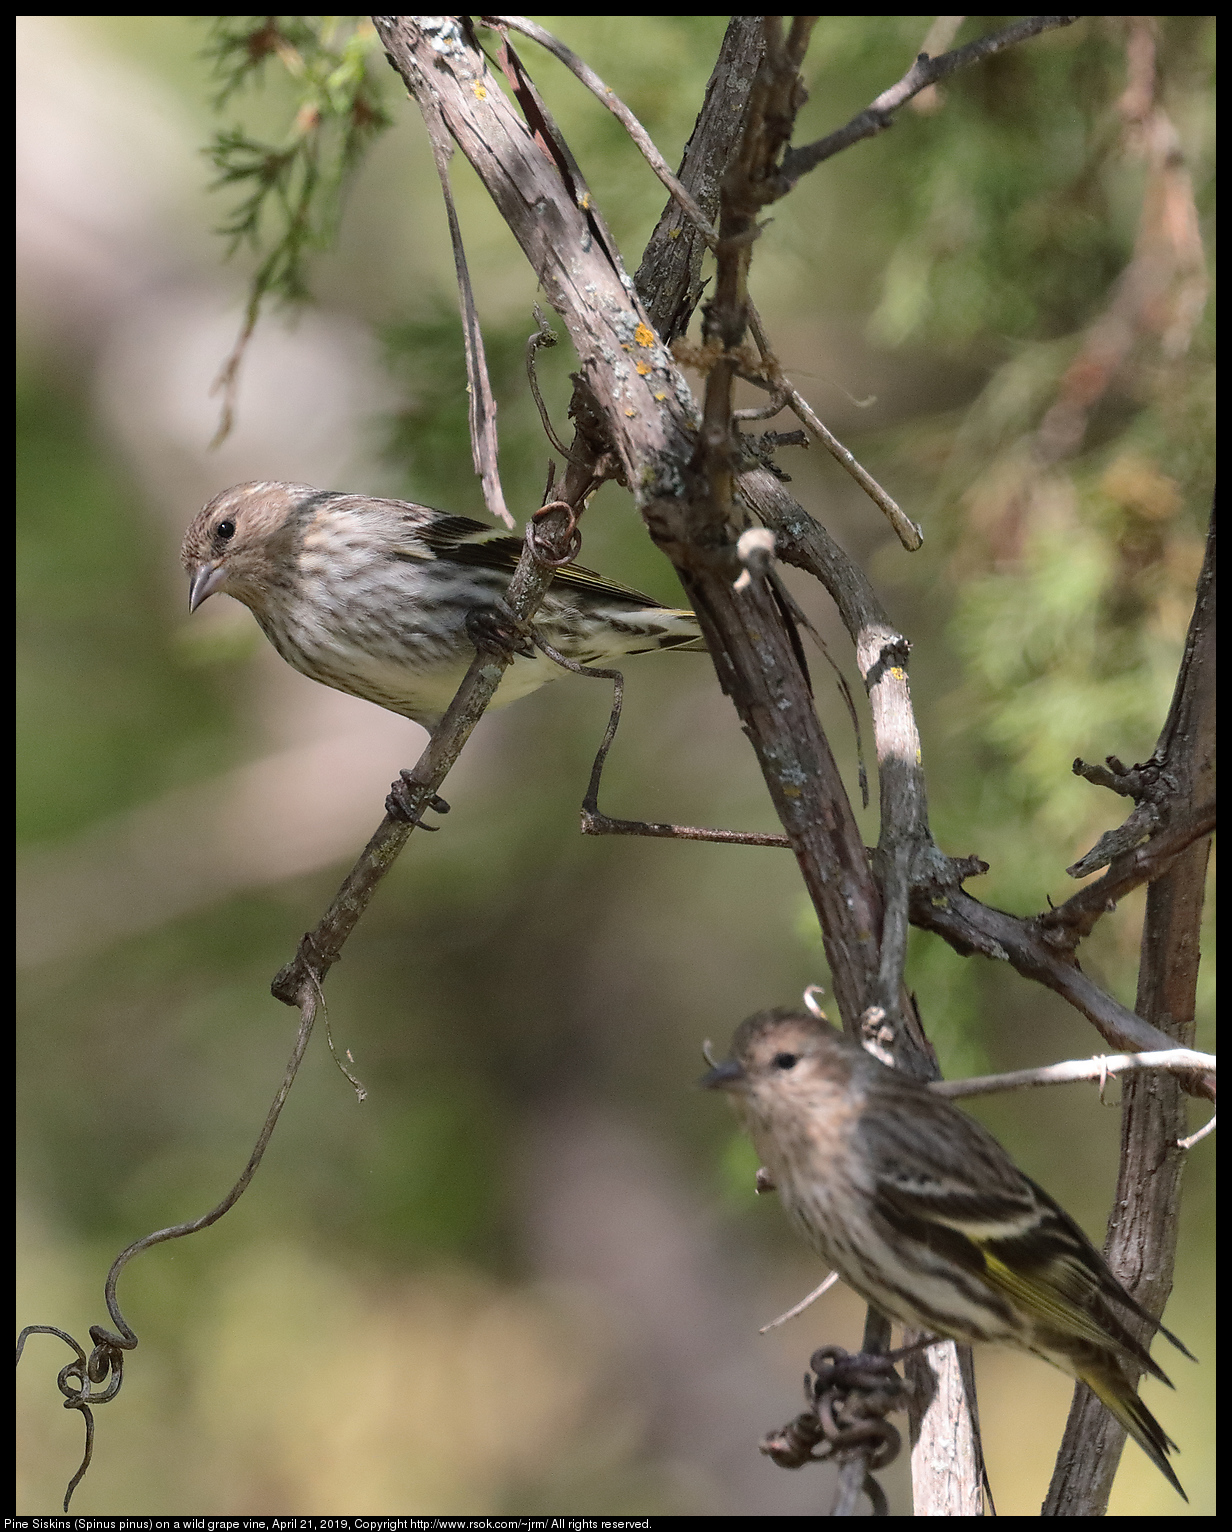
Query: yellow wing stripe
{"type": "Point", "coordinates": [1040, 1297]}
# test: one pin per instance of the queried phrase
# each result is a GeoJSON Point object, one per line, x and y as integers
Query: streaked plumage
{"type": "Point", "coordinates": [923, 1213]}
{"type": "Point", "coordinates": [371, 596]}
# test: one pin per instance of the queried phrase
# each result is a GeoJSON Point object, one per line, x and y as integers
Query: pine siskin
{"type": "Point", "coordinates": [372, 596]}
{"type": "Point", "coordinates": [923, 1213]}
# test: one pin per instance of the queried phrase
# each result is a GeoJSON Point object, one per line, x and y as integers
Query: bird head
{"type": "Point", "coordinates": [233, 545]}
{"type": "Point", "coordinates": [781, 1052]}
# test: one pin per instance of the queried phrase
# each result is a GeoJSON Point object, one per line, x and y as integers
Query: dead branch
{"type": "Point", "coordinates": [879, 114]}
{"type": "Point", "coordinates": [1142, 1234]}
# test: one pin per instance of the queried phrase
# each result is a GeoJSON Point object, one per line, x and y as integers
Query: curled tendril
{"type": "Point", "coordinates": [75, 1383]}
{"type": "Point", "coordinates": [848, 1397]}
{"type": "Point", "coordinates": [79, 1381]}
{"type": "Point", "coordinates": [554, 545]}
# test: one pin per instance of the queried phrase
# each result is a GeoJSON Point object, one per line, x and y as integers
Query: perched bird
{"type": "Point", "coordinates": [922, 1212]}
{"type": "Point", "coordinates": [372, 596]}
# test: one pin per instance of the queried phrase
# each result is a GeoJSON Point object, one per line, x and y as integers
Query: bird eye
{"type": "Point", "coordinates": [225, 530]}
{"type": "Point", "coordinates": [786, 1060]}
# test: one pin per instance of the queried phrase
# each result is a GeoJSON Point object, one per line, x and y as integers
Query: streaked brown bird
{"type": "Point", "coordinates": [922, 1212]}
{"type": "Point", "coordinates": [372, 596]}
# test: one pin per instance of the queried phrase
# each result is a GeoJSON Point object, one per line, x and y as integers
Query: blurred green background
{"type": "Point", "coordinates": [527, 1274]}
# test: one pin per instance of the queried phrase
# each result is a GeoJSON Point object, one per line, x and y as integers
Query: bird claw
{"type": "Point", "coordinates": [400, 805]}
{"type": "Point", "coordinates": [492, 628]}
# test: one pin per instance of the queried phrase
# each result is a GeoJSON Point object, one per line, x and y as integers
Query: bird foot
{"type": "Point", "coordinates": [492, 628]}
{"type": "Point", "coordinates": [400, 804]}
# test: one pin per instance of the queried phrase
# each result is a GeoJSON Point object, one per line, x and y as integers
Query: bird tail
{"type": "Point", "coordinates": [653, 627]}
{"type": "Point", "coordinates": [1108, 1382]}
{"type": "Point", "coordinates": [680, 630]}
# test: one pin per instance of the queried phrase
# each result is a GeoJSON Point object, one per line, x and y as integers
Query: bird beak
{"type": "Point", "coordinates": [203, 581]}
{"type": "Point", "coordinates": [729, 1075]}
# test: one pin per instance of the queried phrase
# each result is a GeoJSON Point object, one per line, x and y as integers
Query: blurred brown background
{"type": "Point", "coordinates": [527, 1275]}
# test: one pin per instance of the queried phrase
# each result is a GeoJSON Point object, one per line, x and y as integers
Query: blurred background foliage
{"type": "Point", "coordinates": [527, 1275]}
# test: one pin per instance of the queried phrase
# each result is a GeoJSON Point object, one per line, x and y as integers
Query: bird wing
{"type": "Point", "coordinates": [471, 542]}
{"type": "Point", "coordinates": [1079, 1271]}
{"type": "Point", "coordinates": [966, 1197]}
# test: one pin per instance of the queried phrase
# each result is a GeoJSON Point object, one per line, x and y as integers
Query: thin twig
{"type": "Point", "coordinates": [879, 115]}
{"type": "Point", "coordinates": [481, 403]}
{"type": "Point", "coordinates": [823, 1286]}
{"type": "Point", "coordinates": [1174, 1060]}
{"type": "Point", "coordinates": [361, 1090]}
{"type": "Point", "coordinates": [779, 401]}
{"type": "Point", "coordinates": [541, 338]}
{"type": "Point", "coordinates": [227, 382]}
{"type": "Point", "coordinates": [1077, 916]}
{"type": "Point", "coordinates": [798, 615]}
{"type": "Point", "coordinates": [909, 532]}
{"type": "Point", "coordinates": [594, 822]}
{"type": "Point", "coordinates": [938, 38]}
{"type": "Point", "coordinates": [1196, 1138]}
{"type": "Point", "coordinates": [970, 926]}
{"type": "Point", "coordinates": [599, 824]}
{"type": "Point", "coordinates": [618, 109]}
